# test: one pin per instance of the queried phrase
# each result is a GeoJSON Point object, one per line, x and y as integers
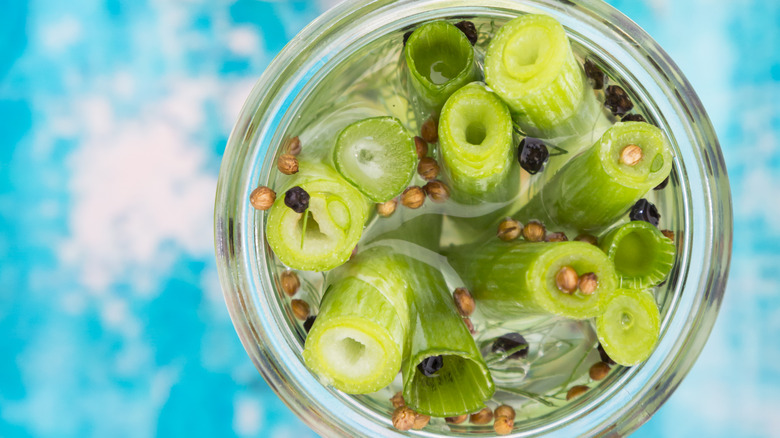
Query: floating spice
{"type": "Point", "coordinates": [297, 199]}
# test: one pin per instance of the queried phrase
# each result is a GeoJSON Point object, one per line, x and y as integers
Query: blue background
{"type": "Point", "coordinates": [113, 118]}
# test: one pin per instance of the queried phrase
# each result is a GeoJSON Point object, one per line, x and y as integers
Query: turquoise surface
{"type": "Point", "coordinates": [113, 118]}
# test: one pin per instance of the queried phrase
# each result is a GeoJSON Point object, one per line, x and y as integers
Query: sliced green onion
{"type": "Point", "coordinates": [386, 271]}
{"type": "Point", "coordinates": [377, 156]}
{"type": "Point", "coordinates": [514, 279]}
{"type": "Point", "coordinates": [336, 216]}
{"type": "Point", "coordinates": [463, 384]}
{"type": "Point", "coordinates": [357, 341]}
{"type": "Point", "coordinates": [596, 188]}
{"type": "Point", "coordinates": [423, 230]}
{"type": "Point", "coordinates": [530, 64]}
{"type": "Point", "coordinates": [642, 255]}
{"type": "Point", "coordinates": [629, 327]}
{"type": "Point", "coordinates": [440, 60]}
{"type": "Point", "coordinates": [475, 135]}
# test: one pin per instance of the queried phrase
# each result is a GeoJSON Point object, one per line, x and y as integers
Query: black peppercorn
{"type": "Point", "coordinates": [297, 199]}
{"type": "Point", "coordinates": [604, 356]}
{"type": "Point", "coordinates": [618, 101]}
{"type": "Point", "coordinates": [309, 322]}
{"type": "Point", "coordinates": [509, 342]}
{"type": "Point", "coordinates": [407, 35]}
{"type": "Point", "coordinates": [663, 184]}
{"type": "Point", "coordinates": [644, 210]}
{"type": "Point", "coordinates": [595, 74]}
{"type": "Point", "coordinates": [469, 30]}
{"type": "Point", "coordinates": [532, 154]}
{"type": "Point", "coordinates": [430, 365]}
{"type": "Point", "coordinates": [633, 118]}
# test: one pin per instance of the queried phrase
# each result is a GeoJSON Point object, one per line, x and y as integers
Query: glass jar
{"type": "Point", "coordinates": [699, 195]}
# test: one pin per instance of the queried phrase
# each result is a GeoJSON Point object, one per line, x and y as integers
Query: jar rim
{"type": "Point", "coordinates": [700, 168]}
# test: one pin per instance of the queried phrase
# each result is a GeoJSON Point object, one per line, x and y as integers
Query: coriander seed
{"type": "Point", "coordinates": [505, 411]}
{"type": "Point", "coordinates": [464, 301]}
{"type": "Point", "coordinates": [287, 164]}
{"type": "Point", "coordinates": [456, 420]}
{"type": "Point", "coordinates": [437, 191]}
{"type": "Point", "coordinates": [294, 146]}
{"type": "Point", "coordinates": [534, 231]}
{"type": "Point", "coordinates": [482, 417]}
{"type": "Point", "coordinates": [509, 230]}
{"type": "Point", "coordinates": [420, 421]}
{"type": "Point", "coordinates": [428, 168]}
{"type": "Point", "coordinates": [556, 237]}
{"type": "Point", "coordinates": [300, 309]}
{"type": "Point", "coordinates": [576, 391]}
{"type": "Point", "coordinates": [598, 371]}
{"type": "Point", "coordinates": [588, 283]}
{"type": "Point", "coordinates": [290, 282]}
{"type": "Point", "coordinates": [398, 400]}
{"type": "Point", "coordinates": [421, 146]}
{"type": "Point", "coordinates": [503, 425]}
{"type": "Point", "coordinates": [587, 238]}
{"type": "Point", "coordinates": [386, 209]}
{"type": "Point", "coordinates": [566, 279]}
{"type": "Point", "coordinates": [262, 198]}
{"type": "Point", "coordinates": [429, 131]}
{"type": "Point", "coordinates": [403, 418]}
{"type": "Point", "coordinates": [631, 155]}
{"type": "Point", "coordinates": [470, 326]}
{"type": "Point", "coordinates": [413, 197]}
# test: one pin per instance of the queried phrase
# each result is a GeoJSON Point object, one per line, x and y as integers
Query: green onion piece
{"type": "Point", "coordinates": [357, 341]}
{"type": "Point", "coordinates": [475, 135]}
{"type": "Point", "coordinates": [383, 260]}
{"type": "Point", "coordinates": [530, 64]}
{"type": "Point", "coordinates": [514, 279]}
{"type": "Point", "coordinates": [337, 214]}
{"type": "Point", "coordinates": [629, 327]}
{"type": "Point", "coordinates": [463, 384]}
{"type": "Point", "coordinates": [642, 255]}
{"type": "Point", "coordinates": [386, 271]}
{"type": "Point", "coordinates": [597, 187]}
{"type": "Point", "coordinates": [377, 156]}
{"type": "Point", "coordinates": [440, 60]}
{"type": "Point", "coordinates": [406, 224]}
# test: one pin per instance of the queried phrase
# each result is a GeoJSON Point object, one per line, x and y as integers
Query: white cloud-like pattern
{"type": "Point", "coordinates": [143, 186]}
{"type": "Point", "coordinates": [140, 187]}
